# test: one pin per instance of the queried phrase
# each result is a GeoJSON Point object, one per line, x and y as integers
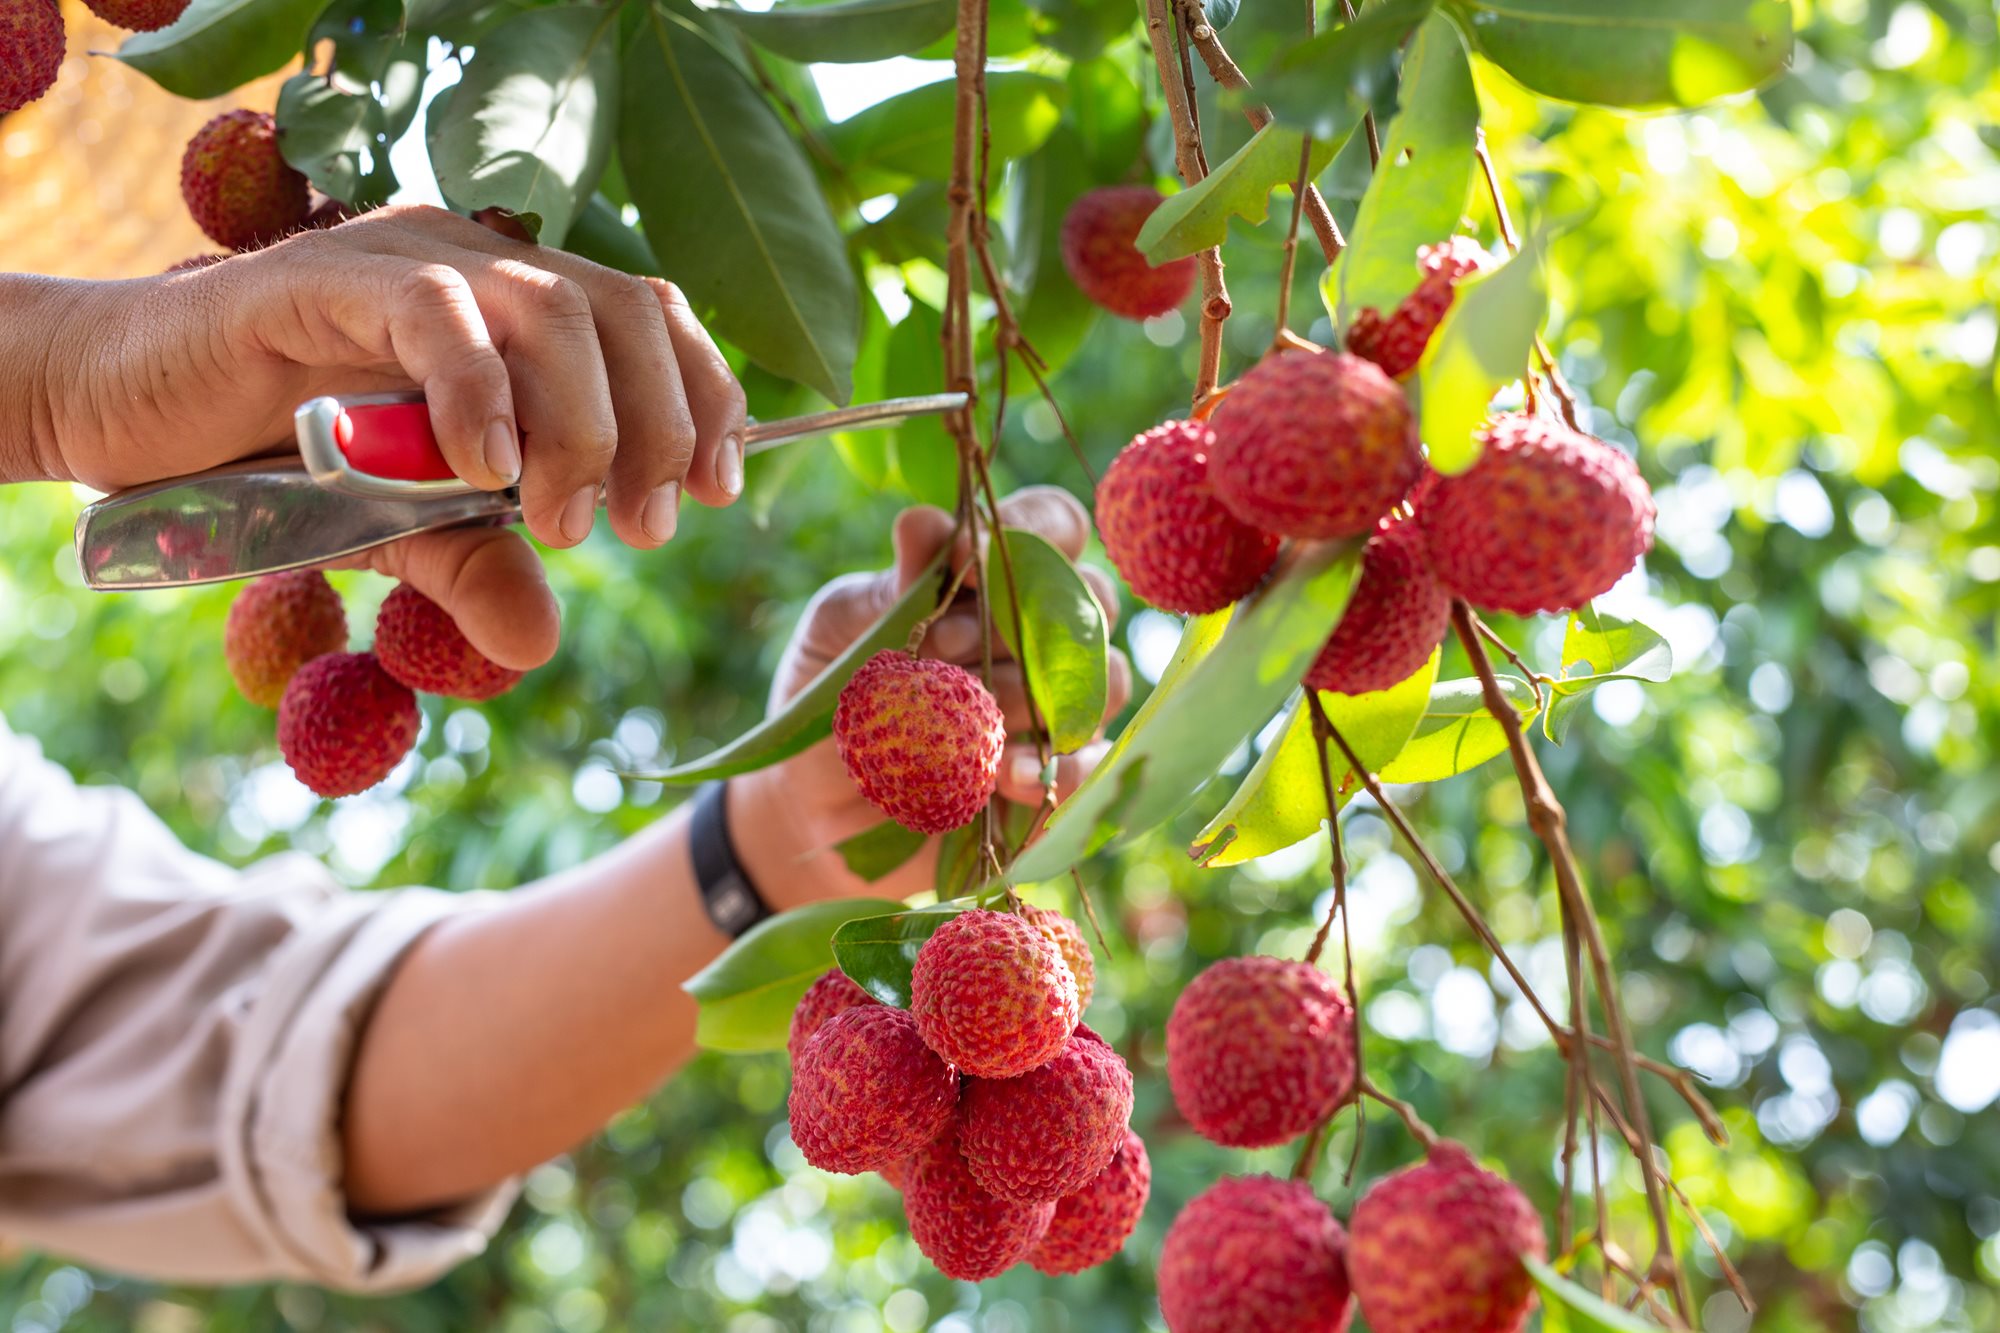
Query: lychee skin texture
{"type": "Point", "coordinates": [1092, 1224]}
{"type": "Point", "coordinates": [1051, 1131]}
{"type": "Point", "coordinates": [969, 1234]}
{"type": "Point", "coordinates": [237, 184]}
{"type": "Point", "coordinates": [1396, 617]}
{"type": "Point", "coordinates": [1314, 445]}
{"type": "Point", "coordinates": [991, 995]}
{"type": "Point", "coordinates": [276, 625]}
{"type": "Point", "coordinates": [1254, 1254]}
{"type": "Point", "coordinates": [1178, 546]}
{"type": "Point", "coordinates": [1259, 1050]}
{"type": "Point", "coordinates": [31, 50]}
{"type": "Point", "coordinates": [344, 724]}
{"type": "Point", "coordinates": [921, 739]}
{"type": "Point", "coordinates": [1397, 343]}
{"type": "Point", "coordinates": [1098, 251]}
{"type": "Point", "coordinates": [1545, 520]}
{"type": "Point", "coordinates": [421, 645]}
{"type": "Point", "coordinates": [1067, 936]}
{"type": "Point", "coordinates": [867, 1092]}
{"type": "Point", "coordinates": [1471, 1228]}
{"type": "Point", "coordinates": [138, 15]}
{"type": "Point", "coordinates": [833, 993]}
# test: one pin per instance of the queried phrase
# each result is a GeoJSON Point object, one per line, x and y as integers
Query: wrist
{"type": "Point", "coordinates": [772, 843]}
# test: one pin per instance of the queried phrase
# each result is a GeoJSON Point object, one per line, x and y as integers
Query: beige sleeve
{"type": "Point", "coordinates": [175, 1038]}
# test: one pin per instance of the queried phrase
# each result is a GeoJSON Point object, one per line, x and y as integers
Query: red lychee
{"type": "Point", "coordinates": [1177, 544]}
{"type": "Point", "coordinates": [1396, 617]}
{"type": "Point", "coordinates": [237, 184]}
{"type": "Point", "coordinates": [835, 992]}
{"type": "Point", "coordinates": [276, 625]}
{"type": "Point", "coordinates": [921, 739]}
{"type": "Point", "coordinates": [1546, 519]}
{"type": "Point", "coordinates": [344, 724]}
{"type": "Point", "coordinates": [421, 645]}
{"type": "Point", "coordinates": [1067, 936]}
{"type": "Point", "coordinates": [867, 1092]}
{"type": "Point", "coordinates": [1257, 1255]}
{"type": "Point", "coordinates": [897, 1173]}
{"type": "Point", "coordinates": [1099, 251]}
{"type": "Point", "coordinates": [992, 995]}
{"type": "Point", "coordinates": [1397, 343]}
{"type": "Point", "coordinates": [31, 50]}
{"type": "Point", "coordinates": [1259, 1050]}
{"type": "Point", "coordinates": [138, 15]}
{"type": "Point", "coordinates": [1470, 1228]}
{"type": "Point", "coordinates": [1091, 1225]}
{"type": "Point", "coordinates": [1314, 445]}
{"type": "Point", "coordinates": [1051, 1131]}
{"type": "Point", "coordinates": [969, 1234]}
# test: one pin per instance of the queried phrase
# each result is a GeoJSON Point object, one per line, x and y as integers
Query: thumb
{"type": "Point", "coordinates": [489, 581]}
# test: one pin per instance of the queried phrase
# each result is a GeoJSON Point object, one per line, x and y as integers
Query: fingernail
{"type": "Point", "coordinates": [662, 513]}
{"type": "Point", "coordinates": [503, 456]}
{"type": "Point", "coordinates": [955, 636]}
{"type": "Point", "coordinates": [1025, 771]}
{"type": "Point", "coordinates": [579, 514]}
{"type": "Point", "coordinates": [729, 465]}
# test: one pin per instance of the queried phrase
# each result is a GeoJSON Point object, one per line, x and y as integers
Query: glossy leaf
{"type": "Point", "coordinates": [877, 952]}
{"type": "Point", "coordinates": [848, 31]}
{"type": "Point", "coordinates": [1599, 647]}
{"type": "Point", "coordinates": [1325, 84]}
{"type": "Point", "coordinates": [747, 995]}
{"type": "Point", "coordinates": [1457, 734]}
{"type": "Point", "coordinates": [333, 131]}
{"type": "Point", "coordinates": [1198, 217]}
{"type": "Point", "coordinates": [1482, 343]}
{"type": "Point", "coordinates": [216, 46]}
{"type": "Point", "coordinates": [875, 852]}
{"type": "Point", "coordinates": [1568, 1308]}
{"type": "Point", "coordinates": [1062, 644]}
{"type": "Point", "coordinates": [909, 136]}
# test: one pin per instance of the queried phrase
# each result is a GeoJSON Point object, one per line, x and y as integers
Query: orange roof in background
{"type": "Point", "coordinates": [90, 175]}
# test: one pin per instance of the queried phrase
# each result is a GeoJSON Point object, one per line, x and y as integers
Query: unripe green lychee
{"type": "Point", "coordinates": [969, 1234]}
{"type": "Point", "coordinates": [343, 724]}
{"type": "Point", "coordinates": [31, 50]}
{"type": "Point", "coordinates": [237, 184]}
{"type": "Point", "coordinates": [1396, 342]}
{"type": "Point", "coordinates": [276, 625]}
{"type": "Point", "coordinates": [1175, 542]}
{"type": "Point", "coordinates": [1257, 1255]}
{"type": "Point", "coordinates": [833, 993]}
{"type": "Point", "coordinates": [1546, 519]}
{"type": "Point", "coordinates": [138, 15]}
{"type": "Point", "coordinates": [922, 740]}
{"type": "Point", "coordinates": [1471, 1229]}
{"type": "Point", "coordinates": [991, 995]}
{"type": "Point", "coordinates": [1259, 1050]}
{"type": "Point", "coordinates": [1099, 252]}
{"type": "Point", "coordinates": [1395, 618]}
{"type": "Point", "coordinates": [421, 645]}
{"type": "Point", "coordinates": [1067, 936]}
{"type": "Point", "coordinates": [1314, 445]}
{"type": "Point", "coordinates": [1092, 1224]}
{"type": "Point", "coordinates": [867, 1092]}
{"type": "Point", "coordinates": [1049, 1132]}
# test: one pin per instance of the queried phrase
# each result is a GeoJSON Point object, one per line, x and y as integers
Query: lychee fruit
{"type": "Point", "coordinates": [1546, 519]}
{"type": "Point", "coordinates": [1314, 444]}
{"type": "Point", "coordinates": [833, 993]}
{"type": "Point", "coordinates": [1254, 1254]}
{"type": "Point", "coordinates": [138, 15]}
{"type": "Point", "coordinates": [1099, 250]}
{"type": "Point", "coordinates": [1051, 1131]}
{"type": "Point", "coordinates": [969, 1234]}
{"type": "Point", "coordinates": [992, 995]}
{"type": "Point", "coordinates": [344, 723]}
{"type": "Point", "coordinates": [1177, 545]}
{"type": "Point", "coordinates": [1259, 1050]}
{"type": "Point", "coordinates": [1091, 1225]}
{"type": "Point", "coordinates": [867, 1092]}
{"type": "Point", "coordinates": [1395, 618]}
{"type": "Point", "coordinates": [1067, 936]}
{"type": "Point", "coordinates": [276, 625]}
{"type": "Point", "coordinates": [1396, 342]}
{"type": "Point", "coordinates": [898, 1172]}
{"type": "Point", "coordinates": [421, 645]}
{"type": "Point", "coordinates": [237, 184]}
{"type": "Point", "coordinates": [1470, 1228]}
{"type": "Point", "coordinates": [31, 50]}
{"type": "Point", "coordinates": [921, 739]}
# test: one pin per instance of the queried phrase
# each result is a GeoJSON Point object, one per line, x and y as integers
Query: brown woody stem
{"type": "Point", "coordinates": [1188, 161]}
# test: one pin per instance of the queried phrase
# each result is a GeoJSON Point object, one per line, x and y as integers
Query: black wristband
{"type": "Point", "coordinates": [731, 900]}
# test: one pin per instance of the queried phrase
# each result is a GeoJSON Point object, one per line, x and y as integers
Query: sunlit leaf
{"type": "Point", "coordinates": [1326, 83]}
{"type": "Point", "coordinates": [1482, 343]}
{"type": "Point", "coordinates": [216, 46]}
{"type": "Point", "coordinates": [747, 995]}
{"type": "Point", "coordinates": [1599, 647]}
{"type": "Point", "coordinates": [848, 31]}
{"type": "Point", "coordinates": [1062, 644]}
{"type": "Point", "coordinates": [908, 136]}
{"type": "Point", "coordinates": [1198, 217]}
{"type": "Point", "coordinates": [1457, 734]}
{"type": "Point", "coordinates": [1568, 1308]}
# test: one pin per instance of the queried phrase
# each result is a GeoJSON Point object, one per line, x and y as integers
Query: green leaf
{"type": "Point", "coordinates": [1195, 720]}
{"type": "Point", "coordinates": [1282, 800]}
{"type": "Point", "coordinates": [1457, 734]}
{"type": "Point", "coordinates": [1062, 644]}
{"type": "Point", "coordinates": [807, 717]}
{"type": "Point", "coordinates": [1597, 648]}
{"type": "Point", "coordinates": [1482, 343]}
{"type": "Point", "coordinates": [1081, 29]}
{"type": "Point", "coordinates": [1327, 83]}
{"type": "Point", "coordinates": [874, 852]}
{"type": "Point", "coordinates": [1107, 113]}
{"type": "Point", "coordinates": [217, 46]}
{"type": "Point", "coordinates": [1198, 217]}
{"type": "Point", "coordinates": [1637, 54]}
{"type": "Point", "coordinates": [731, 206]}
{"type": "Point", "coordinates": [852, 30]}
{"type": "Point", "coordinates": [909, 135]}
{"type": "Point", "coordinates": [601, 236]}
{"type": "Point", "coordinates": [1568, 1308]}
{"type": "Point", "coordinates": [529, 126]}
{"type": "Point", "coordinates": [748, 994]}
{"type": "Point", "coordinates": [333, 130]}
{"type": "Point", "coordinates": [877, 952]}
{"type": "Point", "coordinates": [1055, 315]}
{"type": "Point", "coordinates": [1416, 196]}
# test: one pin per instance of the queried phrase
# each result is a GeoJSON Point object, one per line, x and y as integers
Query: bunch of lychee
{"type": "Point", "coordinates": [1324, 445]}
{"type": "Point", "coordinates": [997, 1113]}
{"type": "Point", "coordinates": [345, 720]}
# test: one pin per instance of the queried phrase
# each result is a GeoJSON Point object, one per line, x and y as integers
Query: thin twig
{"type": "Point", "coordinates": [1419, 1131]}
{"type": "Point", "coordinates": [1188, 161]}
{"type": "Point", "coordinates": [1368, 117]}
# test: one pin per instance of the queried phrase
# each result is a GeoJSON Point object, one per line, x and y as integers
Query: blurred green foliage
{"type": "Point", "coordinates": [1788, 305]}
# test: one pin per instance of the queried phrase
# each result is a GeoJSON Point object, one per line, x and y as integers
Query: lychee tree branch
{"type": "Point", "coordinates": [1215, 307]}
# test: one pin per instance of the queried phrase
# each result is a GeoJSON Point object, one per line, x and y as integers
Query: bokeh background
{"type": "Point", "coordinates": [1787, 303]}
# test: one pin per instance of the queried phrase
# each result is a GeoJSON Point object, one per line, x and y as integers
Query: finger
{"type": "Point", "coordinates": [920, 533]}
{"type": "Point", "coordinates": [714, 399]}
{"type": "Point", "coordinates": [490, 582]}
{"type": "Point", "coordinates": [655, 440]}
{"type": "Point", "coordinates": [1021, 772]}
{"type": "Point", "coordinates": [1051, 513]}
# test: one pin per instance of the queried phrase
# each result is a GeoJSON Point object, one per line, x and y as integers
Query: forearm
{"type": "Point", "coordinates": [37, 319]}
